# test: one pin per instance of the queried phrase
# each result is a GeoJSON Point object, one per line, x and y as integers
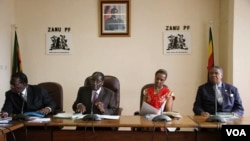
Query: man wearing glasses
{"type": "Point", "coordinates": [23, 97]}
{"type": "Point", "coordinates": [95, 99]}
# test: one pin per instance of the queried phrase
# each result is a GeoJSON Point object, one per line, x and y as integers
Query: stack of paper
{"type": "Point", "coordinates": [80, 116]}
{"type": "Point", "coordinates": [148, 109]}
{"type": "Point", "coordinates": [5, 120]}
{"type": "Point", "coordinates": [38, 119]}
{"type": "Point", "coordinates": [69, 115]}
{"type": "Point", "coordinates": [150, 112]}
{"type": "Point", "coordinates": [173, 114]}
{"type": "Point", "coordinates": [109, 117]}
{"type": "Point", "coordinates": [227, 115]}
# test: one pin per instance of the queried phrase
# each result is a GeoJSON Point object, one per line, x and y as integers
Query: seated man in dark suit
{"type": "Point", "coordinates": [95, 99]}
{"type": "Point", "coordinates": [23, 97]}
{"type": "Point", "coordinates": [228, 97]}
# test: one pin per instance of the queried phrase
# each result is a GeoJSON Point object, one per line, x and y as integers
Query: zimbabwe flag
{"type": "Point", "coordinates": [16, 62]}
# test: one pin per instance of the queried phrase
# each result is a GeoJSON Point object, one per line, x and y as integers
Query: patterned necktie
{"type": "Point", "coordinates": [95, 96]}
{"type": "Point", "coordinates": [219, 95]}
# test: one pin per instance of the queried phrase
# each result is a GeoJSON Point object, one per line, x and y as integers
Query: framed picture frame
{"type": "Point", "coordinates": [58, 43]}
{"type": "Point", "coordinates": [114, 18]}
{"type": "Point", "coordinates": [177, 42]}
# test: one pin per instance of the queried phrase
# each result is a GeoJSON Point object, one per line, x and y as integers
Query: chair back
{"type": "Point", "coordinates": [55, 91]}
{"type": "Point", "coordinates": [112, 83]}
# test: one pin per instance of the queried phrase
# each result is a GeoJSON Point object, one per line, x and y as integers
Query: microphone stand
{"type": "Point", "coordinates": [162, 117]}
{"type": "Point", "coordinates": [216, 117]}
{"type": "Point", "coordinates": [21, 117]}
{"type": "Point", "coordinates": [91, 116]}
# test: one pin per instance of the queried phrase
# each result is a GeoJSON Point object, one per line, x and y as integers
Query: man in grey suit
{"type": "Point", "coordinates": [95, 99]}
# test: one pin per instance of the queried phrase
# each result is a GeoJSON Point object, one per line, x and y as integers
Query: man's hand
{"type": "Point", "coordinates": [4, 114]}
{"type": "Point", "coordinates": [205, 114]}
{"type": "Point", "coordinates": [80, 108]}
{"type": "Point", "coordinates": [100, 106]}
{"type": "Point", "coordinates": [235, 114]}
{"type": "Point", "coordinates": [45, 110]}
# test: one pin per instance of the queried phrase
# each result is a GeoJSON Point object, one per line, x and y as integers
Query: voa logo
{"type": "Point", "coordinates": [236, 132]}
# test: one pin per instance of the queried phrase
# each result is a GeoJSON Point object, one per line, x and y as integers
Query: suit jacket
{"type": "Point", "coordinates": [111, 24]}
{"type": "Point", "coordinates": [205, 100]}
{"type": "Point", "coordinates": [37, 98]}
{"type": "Point", "coordinates": [106, 96]}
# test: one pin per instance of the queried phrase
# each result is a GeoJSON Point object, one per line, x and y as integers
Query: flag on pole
{"type": "Point", "coordinates": [210, 62]}
{"type": "Point", "coordinates": [16, 62]}
{"type": "Point", "coordinates": [210, 51]}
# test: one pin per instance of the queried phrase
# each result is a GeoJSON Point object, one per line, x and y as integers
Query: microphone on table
{"type": "Point", "coordinates": [162, 117]}
{"type": "Point", "coordinates": [21, 117]}
{"type": "Point", "coordinates": [92, 116]}
{"type": "Point", "coordinates": [215, 118]}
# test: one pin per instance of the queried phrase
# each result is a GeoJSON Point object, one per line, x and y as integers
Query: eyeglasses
{"type": "Point", "coordinates": [214, 73]}
{"type": "Point", "coordinates": [93, 81]}
{"type": "Point", "coordinates": [16, 84]}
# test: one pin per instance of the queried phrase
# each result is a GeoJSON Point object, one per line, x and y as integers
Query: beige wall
{"type": "Point", "coordinates": [241, 50]}
{"type": "Point", "coordinates": [132, 59]}
{"type": "Point", "coordinates": [6, 18]}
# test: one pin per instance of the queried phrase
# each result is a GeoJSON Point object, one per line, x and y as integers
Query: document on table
{"type": "Point", "coordinates": [80, 116]}
{"type": "Point", "coordinates": [227, 115]}
{"type": "Point", "coordinates": [148, 109]}
{"type": "Point", "coordinates": [39, 120]}
{"type": "Point", "coordinates": [173, 114]}
{"type": "Point", "coordinates": [106, 116]}
{"type": "Point", "coordinates": [69, 115]}
{"type": "Point", "coordinates": [109, 116]}
{"type": "Point", "coordinates": [5, 120]}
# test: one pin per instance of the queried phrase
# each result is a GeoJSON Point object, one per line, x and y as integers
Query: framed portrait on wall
{"type": "Point", "coordinates": [114, 17]}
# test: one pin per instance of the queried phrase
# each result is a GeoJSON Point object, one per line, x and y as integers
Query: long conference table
{"type": "Point", "coordinates": [52, 131]}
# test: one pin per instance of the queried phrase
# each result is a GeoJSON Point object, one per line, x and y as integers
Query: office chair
{"type": "Point", "coordinates": [55, 91]}
{"type": "Point", "coordinates": [113, 84]}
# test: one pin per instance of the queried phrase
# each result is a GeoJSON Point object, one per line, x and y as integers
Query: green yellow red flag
{"type": "Point", "coordinates": [16, 62]}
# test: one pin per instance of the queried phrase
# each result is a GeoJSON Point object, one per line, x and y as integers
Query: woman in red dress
{"type": "Point", "coordinates": [159, 93]}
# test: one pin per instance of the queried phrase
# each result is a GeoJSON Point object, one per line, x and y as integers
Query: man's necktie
{"type": "Point", "coordinates": [23, 96]}
{"type": "Point", "coordinates": [219, 95]}
{"type": "Point", "coordinates": [95, 96]}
